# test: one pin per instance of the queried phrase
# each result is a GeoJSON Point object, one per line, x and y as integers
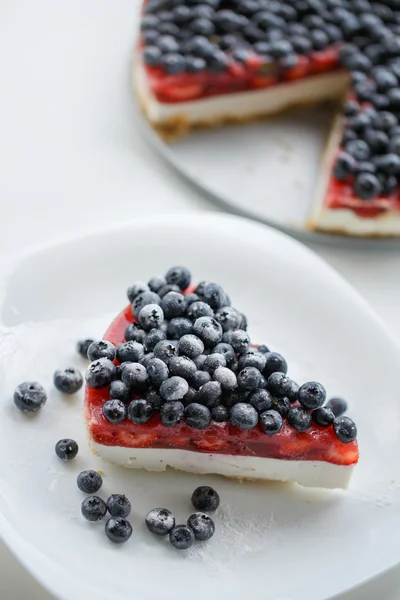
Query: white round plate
{"type": "Point", "coordinates": [278, 540]}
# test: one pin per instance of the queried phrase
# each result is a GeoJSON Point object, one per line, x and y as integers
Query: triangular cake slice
{"type": "Point", "coordinates": [272, 446]}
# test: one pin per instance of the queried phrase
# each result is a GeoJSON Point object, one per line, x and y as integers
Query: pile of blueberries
{"type": "Point", "coordinates": [193, 35]}
{"type": "Point", "coordinates": [190, 357]}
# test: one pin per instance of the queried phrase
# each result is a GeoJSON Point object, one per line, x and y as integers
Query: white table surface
{"type": "Point", "coordinates": [72, 158]}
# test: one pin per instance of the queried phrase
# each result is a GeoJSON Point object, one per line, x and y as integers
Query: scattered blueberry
{"type": "Point", "coordinates": [227, 352]}
{"type": "Point", "coordinates": [228, 317]}
{"type": "Point", "coordinates": [252, 358]}
{"type": "Point", "coordinates": [118, 505]}
{"type": "Point", "coordinates": [281, 405]}
{"type": "Point", "coordinates": [169, 287]}
{"type": "Point", "coordinates": [140, 411]}
{"type": "Point", "coordinates": [197, 416]}
{"type": "Point", "coordinates": [89, 481]}
{"type": "Point", "coordinates": [114, 411]}
{"type": "Point", "coordinates": [299, 419]}
{"type": "Point", "coordinates": [205, 498]}
{"type": "Point", "coordinates": [100, 373]}
{"type": "Point", "coordinates": [202, 526]}
{"type": "Point", "coordinates": [226, 378]}
{"type": "Point", "coordinates": [156, 283]}
{"type": "Point", "coordinates": [93, 508]}
{"type": "Point", "coordinates": [118, 530]}
{"type": "Point", "coordinates": [200, 360]}
{"type": "Point", "coordinates": [66, 449]}
{"type": "Point", "coordinates": [271, 422]}
{"type": "Point", "coordinates": [214, 295]}
{"type": "Point", "coordinates": [68, 381]}
{"type": "Point", "coordinates": [130, 352]}
{"type": "Point", "coordinates": [101, 349]}
{"type": "Point", "coordinates": [312, 395]}
{"type": "Point", "coordinates": [337, 405]}
{"type": "Point", "coordinates": [160, 521]}
{"type": "Point", "coordinates": [323, 416]}
{"type": "Point", "coordinates": [82, 347]}
{"type": "Point", "coordinates": [181, 537]}
{"type": "Point", "coordinates": [171, 413]}
{"type": "Point", "coordinates": [30, 396]}
{"type": "Point", "coordinates": [345, 429]}
{"type": "Point", "coordinates": [152, 338]}
{"type": "Point", "coordinates": [244, 416]}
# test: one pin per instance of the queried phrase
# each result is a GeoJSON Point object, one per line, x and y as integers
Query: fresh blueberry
{"type": "Point", "coordinates": [152, 56]}
{"type": "Point", "coordinates": [179, 276]}
{"type": "Point", "coordinates": [244, 416]}
{"type": "Point", "coordinates": [119, 391]}
{"type": "Point", "coordinates": [145, 359]}
{"type": "Point", "coordinates": [279, 384]}
{"type": "Point", "coordinates": [274, 362]}
{"type": "Point", "coordinates": [240, 341]}
{"type": "Point", "coordinates": [281, 405]}
{"type": "Point", "coordinates": [93, 508]}
{"type": "Point", "coordinates": [249, 378]}
{"type": "Point", "coordinates": [201, 287]}
{"type": "Point", "coordinates": [165, 350]}
{"type": "Point", "coordinates": [323, 416]}
{"type": "Point", "coordinates": [182, 366]}
{"type": "Point", "coordinates": [190, 345]}
{"type": "Point", "coordinates": [114, 411]}
{"type": "Point", "coordinates": [89, 481]}
{"type": "Point", "coordinates": [394, 145]}
{"type": "Point", "coordinates": [142, 300]}
{"type": "Point", "coordinates": [190, 298]}
{"type": "Point", "coordinates": [30, 396]}
{"type": "Point", "coordinates": [179, 327]}
{"type": "Point", "coordinates": [208, 330]}
{"type": "Point", "coordinates": [197, 416]}
{"type": "Point", "coordinates": [252, 358]}
{"type": "Point", "coordinates": [160, 521]}
{"type": "Point", "coordinates": [101, 349]}
{"type": "Point", "coordinates": [150, 37]}
{"type": "Point", "coordinates": [200, 378]}
{"type": "Point", "coordinates": [135, 376]}
{"type": "Point", "coordinates": [261, 400]}
{"type": "Point", "coordinates": [388, 163]}
{"type": "Point", "coordinates": [214, 295]}
{"type": "Point", "coordinates": [154, 397]}
{"type": "Point", "coordinates": [66, 449]}
{"type": "Point", "coordinates": [173, 305]}
{"type": "Point", "coordinates": [100, 373]}
{"type": "Point", "coordinates": [234, 397]}
{"type": "Point", "coordinates": [156, 283]}
{"type": "Point", "coordinates": [152, 338]}
{"type": "Point", "coordinates": [226, 378]}
{"type": "Point", "coordinates": [210, 393]}
{"type": "Point", "coordinates": [345, 165]}
{"type": "Point", "coordinates": [228, 317]}
{"type": "Point", "coordinates": [384, 120]}
{"type": "Point", "coordinates": [168, 44]}
{"type": "Point", "coordinates": [181, 14]}
{"type": "Point", "coordinates": [195, 64]}
{"type": "Point", "coordinates": [271, 422]}
{"type": "Point", "coordinates": [200, 360]}
{"type": "Point", "coordinates": [299, 419]}
{"type": "Point", "coordinates": [151, 317]}
{"type": "Point", "coordinates": [213, 361]}
{"type": "Point", "coordinates": [219, 414]}
{"type": "Point", "coordinates": [118, 530]}
{"type": "Point", "coordinates": [345, 429]}
{"type": "Point", "coordinates": [358, 149]}
{"type": "Point", "coordinates": [140, 411]}
{"type": "Point", "coordinates": [263, 349]}
{"type": "Point", "coordinates": [82, 347]}
{"type": "Point", "coordinates": [169, 287]}
{"type": "Point", "coordinates": [367, 186]}
{"type": "Point", "coordinates": [190, 397]}
{"type": "Point", "coordinates": [301, 44]}
{"type": "Point", "coordinates": [312, 395]}
{"type": "Point", "coordinates": [130, 352]}
{"type": "Point", "coordinates": [157, 371]}
{"type": "Point", "coordinates": [202, 26]}
{"type": "Point", "coordinates": [171, 413]}
{"type": "Point", "coordinates": [68, 381]}
{"type": "Point", "coordinates": [137, 288]}
{"type": "Point", "coordinates": [181, 537]}
{"type": "Point", "coordinates": [199, 309]}
{"type": "Point", "coordinates": [118, 505]}
{"type": "Point", "coordinates": [134, 333]}
{"type": "Point", "coordinates": [205, 498]}
{"type": "Point", "coordinates": [174, 388]}
{"type": "Point", "coordinates": [337, 405]}
{"type": "Point", "coordinates": [227, 351]}
{"type": "Point", "coordinates": [202, 526]}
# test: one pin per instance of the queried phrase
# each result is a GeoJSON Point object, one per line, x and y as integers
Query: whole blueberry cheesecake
{"type": "Point", "coordinates": [209, 62]}
{"type": "Point", "coordinates": [176, 382]}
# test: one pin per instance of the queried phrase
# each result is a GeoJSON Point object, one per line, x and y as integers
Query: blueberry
{"type": "Point", "coordinates": [156, 283]}
{"type": "Point", "coordinates": [234, 397]}
{"type": "Point", "coordinates": [135, 376]}
{"type": "Point", "coordinates": [244, 416]}
{"type": "Point", "coordinates": [199, 309]}
{"type": "Point", "coordinates": [157, 371]}
{"type": "Point", "coordinates": [227, 352]}
{"type": "Point", "coordinates": [358, 149]}
{"type": "Point", "coordinates": [82, 347]}
{"type": "Point", "coordinates": [299, 419]}
{"type": "Point", "coordinates": [249, 378]}
{"type": "Point", "coordinates": [181, 537]}
{"type": "Point", "coordinates": [134, 333]}
{"type": "Point", "coordinates": [179, 276]}
{"type": "Point", "coordinates": [89, 481]}
{"type": "Point", "coordinates": [201, 287]}
{"type": "Point", "coordinates": [210, 393]}
{"type": "Point", "coordinates": [118, 530]}
{"type": "Point", "coordinates": [271, 422]}
{"type": "Point", "coordinates": [345, 165]}
{"type": "Point", "coordinates": [190, 345]}
{"type": "Point", "coordinates": [160, 521]}
{"type": "Point", "coordinates": [182, 366]}
{"type": "Point", "coordinates": [137, 288]}
{"type": "Point", "coordinates": [179, 327]}
{"type": "Point", "coordinates": [190, 397]}
{"type": "Point", "coordinates": [208, 330]}
{"type": "Point", "coordinates": [140, 411]}
{"type": "Point", "coordinates": [345, 429]}
{"type": "Point", "coordinates": [202, 26]}
{"type": "Point", "coordinates": [205, 498]}
{"type": "Point", "coordinates": [169, 287]}
{"type": "Point", "coordinates": [173, 305]}
{"type": "Point", "coordinates": [367, 186]}
{"type": "Point", "coordinates": [154, 398]}
{"type": "Point", "coordinates": [200, 378]}
{"type": "Point", "coordinates": [202, 526]}
{"type": "Point", "coordinates": [228, 317]}
{"type": "Point", "coordinates": [261, 400]}
{"type": "Point", "coordinates": [93, 508]}
{"type": "Point", "coordinates": [101, 349]}
{"type": "Point", "coordinates": [114, 411]}
{"type": "Point", "coordinates": [279, 384]}
{"type": "Point", "coordinates": [145, 359]}
{"type": "Point", "coordinates": [263, 349]}
{"type": "Point", "coordinates": [378, 141]}
{"type": "Point", "coordinates": [281, 405]}
{"type": "Point", "coordinates": [323, 416]}
{"type": "Point", "coordinates": [226, 378]}
{"type": "Point", "coordinates": [274, 362]}
{"type": "Point", "coordinates": [384, 120]}
{"type": "Point", "coordinates": [214, 295]}
{"type": "Point", "coordinates": [171, 413]}
{"type": "Point", "coordinates": [388, 163]}
{"type": "Point", "coordinates": [337, 405]}
{"type": "Point", "coordinates": [200, 360]}
{"type": "Point", "coordinates": [150, 37]}
{"type": "Point", "coordinates": [252, 358]}
{"type": "Point", "coordinates": [174, 388]}
{"type": "Point", "coordinates": [130, 352]}
{"type": "Point", "coordinates": [240, 341]}
{"type": "Point", "coordinates": [66, 449]}
{"type": "Point", "coordinates": [195, 64]}
{"type": "Point", "coordinates": [142, 300]}
{"type": "Point", "coordinates": [100, 373]}
{"type": "Point", "coordinates": [118, 505]}
{"type": "Point", "coordinates": [152, 338]}
{"type": "Point", "coordinates": [312, 395]}
{"type": "Point", "coordinates": [68, 381]}
{"type": "Point", "coordinates": [152, 56]}
{"type": "Point", "coordinates": [219, 414]}
{"type": "Point", "coordinates": [30, 396]}
{"type": "Point", "coordinates": [149, 22]}
{"type": "Point", "coordinates": [151, 317]}
{"type": "Point", "coordinates": [181, 14]}
{"type": "Point", "coordinates": [119, 391]}
{"type": "Point", "coordinates": [197, 416]}
{"type": "Point", "coordinates": [167, 44]}
{"type": "Point", "coordinates": [213, 361]}
{"type": "Point", "coordinates": [165, 350]}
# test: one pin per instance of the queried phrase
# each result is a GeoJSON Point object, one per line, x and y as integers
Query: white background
{"type": "Point", "coordinates": [72, 158]}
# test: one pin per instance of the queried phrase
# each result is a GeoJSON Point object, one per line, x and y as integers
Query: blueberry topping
{"type": "Point", "coordinates": [200, 378]}
{"type": "Point", "coordinates": [252, 358]}
{"type": "Point", "coordinates": [89, 482]}
{"type": "Point", "coordinates": [197, 416]}
{"type": "Point", "coordinates": [179, 276]}
{"type": "Point", "coordinates": [173, 305]}
{"type": "Point", "coordinates": [118, 530]}
{"type": "Point", "coordinates": [190, 345]}
{"type": "Point", "coordinates": [157, 371]}
{"type": "Point", "coordinates": [68, 381]}
{"type": "Point", "coordinates": [151, 317]}
{"type": "Point", "coordinates": [101, 349]}
{"type": "Point", "coordinates": [345, 165]}
{"type": "Point", "coordinates": [323, 416]}
{"type": "Point", "coordinates": [137, 288]}
{"type": "Point", "coordinates": [244, 416]}
{"type": "Point", "coordinates": [281, 405]}
{"type": "Point", "coordinates": [337, 405]}
{"type": "Point", "coordinates": [142, 300]}
{"type": "Point", "coordinates": [100, 373]}
{"type": "Point", "coordinates": [208, 330]}
{"type": "Point", "coordinates": [134, 333]}
{"type": "Point", "coordinates": [152, 338]}
{"type": "Point", "coordinates": [214, 295]}
{"type": "Point", "coordinates": [228, 317]}
{"type": "Point", "coordinates": [225, 377]}
{"type": "Point", "coordinates": [174, 388]}
{"type": "Point", "coordinates": [210, 393]}
{"type": "Point", "coordinates": [165, 350]}
{"type": "Point", "coordinates": [202, 526]}
{"type": "Point", "coordinates": [93, 508]}
{"type": "Point", "coordinates": [171, 413]}
{"type": "Point", "coordinates": [274, 362]}
{"type": "Point", "coordinates": [279, 384]}
{"type": "Point", "coordinates": [312, 395]}
{"type": "Point", "coordinates": [182, 366]}
{"type": "Point", "coordinates": [118, 505]}
{"type": "Point", "coordinates": [299, 419]}
{"type": "Point", "coordinates": [156, 283]}
{"type": "Point", "coordinates": [114, 411]}
{"type": "Point", "coordinates": [82, 347]}
{"type": "Point", "coordinates": [190, 397]}
{"type": "Point", "coordinates": [219, 414]}
{"type": "Point", "coordinates": [190, 298]}
{"type": "Point", "coordinates": [179, 327]}
{"type": "Point", "coordinates": [263, 349]}
{"type": "Point", "coordinates": [140, 411]}
{"type": "Point", "coordinates": [66, 449]}
{"type": "Point", "coordinates": [261, 400]}
{"type": "Point", "coordinates": [240, 341]}
{"type": "Point", "coordinates": [160, 521]}
{"type": "Point", "coordinates": [367, 186]}
{"type": "Point", "coordinates": [181, 537]}
{"type": "Point", "coordinates": [227, 352]}
{"type": "Point", "coordinates": [213, 361]}
{"type": "Point", "coordinates": [199, 309]}
{"type": "Point", "coordinates": [249, 378]}
{"type": "Point", "coordinates": [30, 396]}
{"type": "Point", "coordinates": [271, 422]}
{"type": "Point", "coordinates": [135, 376]}
{"type": "Point", "coordinates": [130, 352]}
{"type": "Point", "coordinates": [169, 287]}
{"type": "Point", "coordinates": [345, 429]}
{"type": "Point", "coordinates": [119, 391]}
{"type": "Point", "coordinates": [205, 498]}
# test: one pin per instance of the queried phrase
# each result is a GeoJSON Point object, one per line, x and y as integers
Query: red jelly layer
{"type": "Point", "coordinates": [223, 438]}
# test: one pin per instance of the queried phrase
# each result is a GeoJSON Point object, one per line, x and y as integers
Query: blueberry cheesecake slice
{"type": "Point", "coordinates": [176, 382]}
